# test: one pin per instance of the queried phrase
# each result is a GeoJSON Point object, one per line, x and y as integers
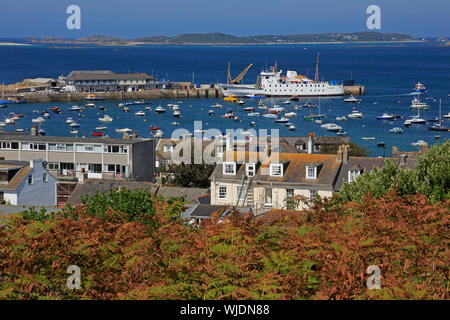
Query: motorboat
{"type": "Point", "coordinates": [286, 102]}
{"type": "Point", "coordinates": [417, 120]}
{"type": "Point", "coordinates": [260, 103]}
{"type": "Point", "coordinates": [342, 133]}
{"type": "Point", "coordinates": [217, 105]}
{"type": "Point", "coordinates": [35, 120]}
{"type": "Point", "coordinates": [74, 131]}
{"type": "Point", "coordinates": [69, 120]}
{"type": "Point", "coordinates": [97, 134]}
{"type": "Point", "coordinates": [253, 114]}
{"type": "Point", "coordinates": [318, 121]}
{"type": "Point", "coordinates": [368, 138]}
{"type": "Point", "coordinates": [140, 113]}
{"type": "Point", "coordinates": [148, 108]}
{"type": "Point", "coordinates": [292, 128]}
{"type": "Point", "coordinates": [93, 97]}
{"type": "Point", "coordinates": [331, 127]}
{"type": "Point", "coordinates": [290, 114]}
{"type": "Point", "coordinates": [419, 143]}
{"type": "Point", "coordinates": [175, 123]}
{"type": "Point", "coordinates": [249, 109]}
{"type": "Point", "coordinates": [91, 105]}
{"type": "Point", "coordinates": [160, 109]}
{"type": "Point", "coordinates": [126, 109]}
{"type": "Point", "coordinates": [355, 114]}
{"type": "Point", "coordinates": [253, 124]}
{"type": "Point", "coordinates": [241, 102]}
{"type": "Point", "coordinates": [282, 120]}
{"type": "Point", "coordinates": [211, 112]}
{"type": "Point", "coordinates": [74, 125]}
{"type": "Point", "coordinates": [343, 118]}
{"type": "Point", "coordinates": [416, 104]}
{"type": "Point", "coordinates": [446, 116]}
{"type": "Point", "coordinates": [101, 128]}
{"type": "Point", "coordinates": [396, 130]}
{"type": "Point", "coordinates": [158, 133]}
{"type": "Point", "coordinates": [154, 128]}
{"type": "Point", "coordinates": [276, 109]}
{"type": "Point", "coordinates": [75, 108]}
{"type": "Point", "coordinates": [386, 116]}
{"type": "Point", "coordinates": [102, 108]}
{"type": "Point", "coordinates": [228, 115]}
{"type": "Point", "coordinates": [176, 113]}
{"type": "Point", "coordinates": [105, 118]}
{"type": "Point", "coordinates": [419, 88]}
{"type": "Point", "coordinates": [270, 115]}
{"type": "Point", "coordinates": [352, 99]}
{"type": "Point", "coordinates": [124, 130]}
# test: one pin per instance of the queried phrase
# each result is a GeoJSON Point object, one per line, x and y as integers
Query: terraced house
{"type": "Point", "coordinates": [267, 184]}
{"type": "Point", "coordinates": [91, 158]}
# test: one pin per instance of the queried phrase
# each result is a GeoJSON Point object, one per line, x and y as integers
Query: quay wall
{"type": "Point", "coordinates": [355, 90]}
{"type": "Point", "coordinates": [42, 97]}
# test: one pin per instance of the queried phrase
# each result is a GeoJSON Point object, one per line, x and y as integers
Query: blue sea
{"type": "Point", "coordinates": [388, 71]}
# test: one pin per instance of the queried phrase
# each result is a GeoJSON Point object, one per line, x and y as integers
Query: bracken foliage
{"type": "Point", "coordinates": [321, 253]}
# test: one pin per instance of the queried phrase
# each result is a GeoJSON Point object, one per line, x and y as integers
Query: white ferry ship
{"type": "Point", "coordinates": [274, 84]}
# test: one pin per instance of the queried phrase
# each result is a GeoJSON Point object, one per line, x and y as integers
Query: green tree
{"type": "Point", "coordinates": [379, 181]}
{"type": "Point", "coordinates": [191, 175]}
{"type": "Point", "coordinates": [433, 172]}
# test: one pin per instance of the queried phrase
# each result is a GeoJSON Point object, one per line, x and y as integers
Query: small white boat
{"type": "Point", "coordinates": [319, 121]}
{"type": "Point", "coordinates": [105, 118]}
{"type": "Point", "coordinates": [140, 113]}
{"type": "Point", "coordinates": [419, 143]}
{"type": "Point", "coordinates": [75, 108]}
{"type": "Point", "coordinates": [416, 104]}
{"type": "Point", "coordinates": [69, 120]}
{"type": "Point", "coordinates": [101, 128]}
{"type": "Point", "coordinates": [331, 127]}
{"type": "Point", "coordinates": [175, 123]}
{"type": "Point", "coordinates": [446, 116]}
{"type": "Point", "coordinates": [19, 130]}
{"type": "Point", "coordinates": [90, 105]}
{"type": "Point", "coordinates": [282, 120]}
{"type": "Point", "coordinates": [176, 113]}
{"type": "Point", "coordinates": [126, 109]}
{"type": "Point", "coordinates": [253, 114]}
{"type": "Point", "coordinates": [276, 109]}
{"type": "Point", "coordinates": [343, 118]}
{"type": "Point", "coordinates": [217, 105]}
{"type": "Point", "coordinates": [169, 105]}
{"type": "Point", "coordinates": [249, 109]}
{"type": "Point", "coordinates": [368, 138]}
{"type": "Point", "coordinates": [160, 109]}
{"type": "Point", "coordinates": [292, 127]}
{"type": "Point", "coordinates": [74, 125]}
{"type": "Point", "coordinates": [74, 131]}
{"type": "Point", "coordinates": [290, 114]}
{"type": "Point", "coordinates": [148, 108]}
{"type": "Point", "coordinates": [352, 99]}
{"type": "Point", "coordinates": [35, 120]}
{"type": "Point", "coordinates": [124, 130]}
{"type": "Point", "coordinates": [355, 114]}
{"type": "Point", "coordinates": [286, 102]}
{"type": "Point", "coordinates": [241, 102]}
{"type": "Point", "coordinates": [396, 130]}
{"type": "Point", "coordinates": [270, 116]}
{"type": "Point", "coordinates": [386, 116]}
{"type": "Point", "coordinates": [158, 133]}
{"type": "Point", "coordinates": [211, 112]}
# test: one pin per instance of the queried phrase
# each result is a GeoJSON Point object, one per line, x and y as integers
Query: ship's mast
{"type": "Point", "coordinates": [316, 78]}
{"type": "Point", "coordinates": [229, 75]}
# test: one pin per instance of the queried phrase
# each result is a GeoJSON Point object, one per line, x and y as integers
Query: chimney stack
{"type": "Point", "coordinates": [345, 151]}
{"type": "Point", "coordinates": [339, 154]}
{"type": "Point", "coordinates": [394, 150]}
{"type": "Point", "coordinates": [310, 143]}
{"type": "Point", "coordinates": [34, 130]}
{"type": "Point", "coordinates": [423, 148]}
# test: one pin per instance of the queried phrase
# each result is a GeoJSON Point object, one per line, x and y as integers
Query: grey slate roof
{"type": "Point", "coordinates": [354, 163]}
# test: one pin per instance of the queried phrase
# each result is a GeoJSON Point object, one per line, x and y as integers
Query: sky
{"type": "Point", "coordinates": [137, 18]}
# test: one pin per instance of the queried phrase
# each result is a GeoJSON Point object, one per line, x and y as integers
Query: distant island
{"type": "Point", "coordinates": [222, 38]}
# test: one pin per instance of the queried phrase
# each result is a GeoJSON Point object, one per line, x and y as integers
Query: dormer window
{"type": "Point", "coordinates": [250, 169]}
{"type": "Point", "coordinates": [311, 172]}
{"type": "Point", "coordinates": [276, 170]}
{"type": "Point", "coordinates": [229, 168]}
{"type": "Point", "coordinates": [353, 175]}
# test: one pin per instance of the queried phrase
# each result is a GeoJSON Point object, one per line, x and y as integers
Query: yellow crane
{"type": "Point", "coordinates": [239, 77]}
